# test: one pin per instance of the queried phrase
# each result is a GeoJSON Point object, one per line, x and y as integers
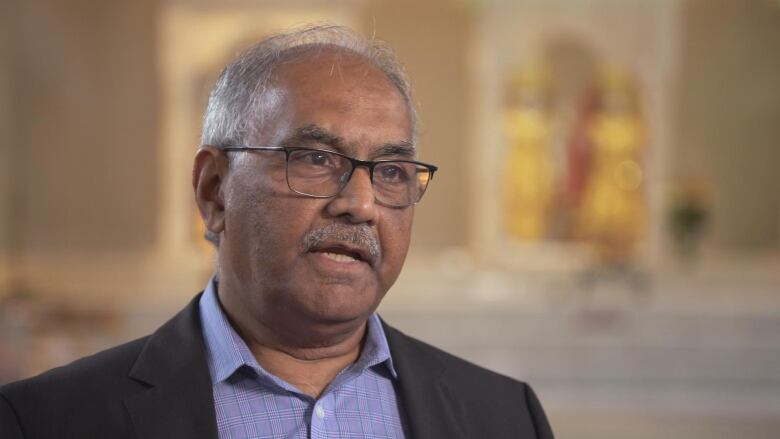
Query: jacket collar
{"type": "Point", "coordinates": [431, 407]}
{"type": "Point", "coordinates": [178, 400]}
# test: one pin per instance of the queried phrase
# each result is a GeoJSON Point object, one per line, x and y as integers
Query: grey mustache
{"type": "Point", "coordinates": [359, 235]}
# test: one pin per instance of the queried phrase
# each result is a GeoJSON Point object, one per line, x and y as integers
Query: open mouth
{"type": "Point", "coordinates": [342, 254]}
{"type": "Point", "coordinates": [340, 257]}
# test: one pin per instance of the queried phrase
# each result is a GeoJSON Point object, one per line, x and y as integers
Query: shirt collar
{"type": "Point", "coordinates": [226, 351]}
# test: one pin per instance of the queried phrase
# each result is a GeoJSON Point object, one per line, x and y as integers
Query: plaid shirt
{"type": "Point", "coordinates": [249, 402]}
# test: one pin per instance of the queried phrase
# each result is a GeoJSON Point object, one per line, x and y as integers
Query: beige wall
{"type": "Point", "coordinates": [84, 120]}
{"type": "Point", "coordinates": [7, 142]}
{"type": "Point", "coordinates": [728, 120]}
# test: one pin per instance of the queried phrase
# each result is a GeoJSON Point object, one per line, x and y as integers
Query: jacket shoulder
{"type": "Point", "coordinates": [456, 367]}
{"type": "Point", "coordinates": [486, 398]}
{"type": "Point", "coordinates": [89, 397]}
{"type": "Point", "coordinates": [58, 401]}
{"type": "Point", "coordinates": [109, 365]}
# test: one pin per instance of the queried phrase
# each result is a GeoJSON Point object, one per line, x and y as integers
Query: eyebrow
{"type": "Point", "coordinates": [315, 133]}
{"type": "Point", "coordinates": [404, 149]}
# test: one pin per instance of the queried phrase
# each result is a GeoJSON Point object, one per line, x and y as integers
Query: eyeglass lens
{"type": "Point", "coordinates": [324, 174]}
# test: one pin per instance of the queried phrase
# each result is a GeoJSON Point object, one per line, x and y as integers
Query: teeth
{"type": "Point", "coordinates": [339, 257]}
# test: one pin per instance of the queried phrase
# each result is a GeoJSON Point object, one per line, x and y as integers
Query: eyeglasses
{"type": "Point", "coordinates": [323, 174]}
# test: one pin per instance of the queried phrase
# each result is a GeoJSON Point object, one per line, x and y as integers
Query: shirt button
{"type": "Point", "coordinates": [319, 411]}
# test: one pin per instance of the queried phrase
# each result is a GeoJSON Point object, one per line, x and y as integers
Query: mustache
{"type": "Point", "coordinates": [359, 235]}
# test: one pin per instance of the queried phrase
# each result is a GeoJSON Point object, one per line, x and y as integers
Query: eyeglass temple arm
{"type": "Point", "coordinates": [252, 148]}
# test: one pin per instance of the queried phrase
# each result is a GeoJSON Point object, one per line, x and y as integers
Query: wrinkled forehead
{"type": "Point", "coordinates": [341, 92]}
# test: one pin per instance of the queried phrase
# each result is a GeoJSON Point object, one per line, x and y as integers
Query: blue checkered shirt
{"type": "Point", "coordinates": [361, 402]}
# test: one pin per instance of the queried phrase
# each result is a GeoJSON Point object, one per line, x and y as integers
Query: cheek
{"type": "Point", "coordinates": [395, 239]}
{"type": "Point", "coordinates": [272, 225]}
{"type": "Point", "coordinates": [249, 225]}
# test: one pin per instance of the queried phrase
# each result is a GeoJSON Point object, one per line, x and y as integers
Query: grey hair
{"type": "Point", "coordinates": [235, 112]}
{"type": "Point", "coordinates": [236, 108]}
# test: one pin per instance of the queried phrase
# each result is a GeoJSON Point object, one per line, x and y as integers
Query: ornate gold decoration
{"type": "Point", "coordinates": [612, 212]}
{"type": "Point", "coordinates": [528, 186]}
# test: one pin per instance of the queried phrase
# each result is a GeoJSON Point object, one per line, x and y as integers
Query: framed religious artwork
{"type": "Point", "coordinates": [571, 134]}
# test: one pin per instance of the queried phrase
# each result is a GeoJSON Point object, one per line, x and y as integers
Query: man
{"type": "Point", "coordinates": [306, 182]}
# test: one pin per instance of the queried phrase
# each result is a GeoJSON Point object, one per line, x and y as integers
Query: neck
{"type": "Point", "coordinates": [308, 369]}
{"type": "Point", "coordinates": [308, 359]}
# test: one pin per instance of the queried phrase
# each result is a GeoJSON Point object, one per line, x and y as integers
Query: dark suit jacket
{"type": "Point", "coordinates": [159, 387]}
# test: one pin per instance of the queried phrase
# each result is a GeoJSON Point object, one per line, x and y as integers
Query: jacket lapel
{"type": "Point", "coordinates": [178, 400]}
{"type": "Point", "coordinates": [430, 406]}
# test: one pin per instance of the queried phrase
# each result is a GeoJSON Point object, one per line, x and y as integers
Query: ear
{"type": "Point", "coordinates": [208, 176]}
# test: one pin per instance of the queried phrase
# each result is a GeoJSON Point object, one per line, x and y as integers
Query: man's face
{"type": "Point", "coordinates": [329, 100]}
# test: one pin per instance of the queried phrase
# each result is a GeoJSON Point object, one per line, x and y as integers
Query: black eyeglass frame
{"type": "Point", "coordinates": [368, 164]}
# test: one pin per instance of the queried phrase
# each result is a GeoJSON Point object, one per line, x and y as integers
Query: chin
{"type": "Point", "coordinates": [341, 305]}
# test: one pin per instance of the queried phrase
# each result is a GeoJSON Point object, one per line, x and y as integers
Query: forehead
{"type": "Point", "coordinates": [345, 95]}
{"type": "Point", "coordinates": [331, 66]}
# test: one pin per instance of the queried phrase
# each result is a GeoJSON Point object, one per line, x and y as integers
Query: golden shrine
{"type": "Point", "coordinates": [598, 194]}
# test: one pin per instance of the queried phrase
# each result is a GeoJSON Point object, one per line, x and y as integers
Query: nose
{"type": "Point", "coordinates": [356, 200]}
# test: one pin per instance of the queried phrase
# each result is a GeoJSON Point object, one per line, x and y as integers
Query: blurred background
{"type": "Point", "coordinates": [605, 224]}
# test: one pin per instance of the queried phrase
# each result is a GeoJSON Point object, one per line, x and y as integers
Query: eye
{"type": "Point", "coordinates": [317, 158]}
{"type": "Point", "coordinates": [314, 158]}
{"type": "Point", "coordinates": [393, 173]}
